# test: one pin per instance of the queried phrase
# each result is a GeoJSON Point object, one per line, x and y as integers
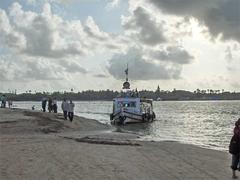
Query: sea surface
{"type": "Point", "coordinates": [207, 124]}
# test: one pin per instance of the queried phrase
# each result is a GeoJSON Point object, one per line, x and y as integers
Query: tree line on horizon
{"type": "Point", "coordinates": [92, 95]}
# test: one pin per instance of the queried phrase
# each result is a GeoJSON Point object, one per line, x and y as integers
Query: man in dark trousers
{"type": "Point", "coordinates": [71, 110]}
{"type": "Point", "coordinates": [50, 105]}
{"type": "Point", "coordinates": [44, 104]}
{"type": "Point", "coordinates": [65, 108]}
{"type": "Point", "coordinates": [234, 149]}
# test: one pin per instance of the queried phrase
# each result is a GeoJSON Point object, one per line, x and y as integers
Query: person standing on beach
{"type": "Point", "coordinates": [237, 131]}
{"type": "Point", "coordinates": [54, 105]}
{"type": "Point", "coordinates": [9, 103]}
{"type": "Point", "coordinates": [65, 108]}
{"type": "Point", "coordinates": [234, 149]}
{"type": "Point", "coordinates": [71, 110]}
{"type": "Point", "coordinates": [44, 104]}
{"type": "Point", "coordinates": [50, 105]}
{"type": "Point", "coordinates": [3, 99]}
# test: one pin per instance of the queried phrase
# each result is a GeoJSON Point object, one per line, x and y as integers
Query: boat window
{"type": "Point", "coordinates": [126, 104]}
{"type": "Point", "coordinates": [145, 107]}
{"type": "Point", "coordinates": [132, 104]}
{"type": "Point", "coordinates": [120, 105]}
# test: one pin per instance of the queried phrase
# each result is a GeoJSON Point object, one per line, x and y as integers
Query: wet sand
{"type": "Point", "coordinates": [36, 145]}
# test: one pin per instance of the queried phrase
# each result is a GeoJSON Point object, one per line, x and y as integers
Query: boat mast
{"type": "Point", "coordinates": [126, 84]}
{"type": "Point", "coordinates": [126, 72]}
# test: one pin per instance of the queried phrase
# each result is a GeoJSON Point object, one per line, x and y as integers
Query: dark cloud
{"type": "Point", "coordinates": [100, 76]}
{"type": "Point", "coordinates": [173, 54]}
{"type": "Point", "coordinates": [140, 68]}
{"type": "Point", "coordinates": [144, 27]}
{"type": "Point", "coordinates": [112, 46]}
{"type": "Point", "coordinates": [220, 16]}
{"type": "Point", "coordinates": [183, 7]}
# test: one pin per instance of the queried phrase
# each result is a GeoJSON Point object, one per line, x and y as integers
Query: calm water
{"type": "Point", "coordinates": [203, 123]}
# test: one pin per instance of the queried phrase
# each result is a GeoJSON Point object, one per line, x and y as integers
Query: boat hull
{"type": "Point", "coordinates": [128, 117]}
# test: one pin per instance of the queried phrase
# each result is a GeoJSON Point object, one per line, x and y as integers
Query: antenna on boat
{"type": "Point", "coordinates": [126, 72]}
{"type": "Point", "coordinates": [126, 84]}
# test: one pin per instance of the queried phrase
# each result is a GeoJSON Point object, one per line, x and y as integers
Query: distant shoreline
{"type": "Point", "coordinates": [153, 100]}
{"type": "Point", "coordinates": [109, 95]}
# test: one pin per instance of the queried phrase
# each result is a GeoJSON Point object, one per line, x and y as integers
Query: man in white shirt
{"type": "Point", "coordinates": [54, 105]}
{"type": "Point", "coordinates": [71, 110]}
{"type": "Point", "coordinates": [65, 108]}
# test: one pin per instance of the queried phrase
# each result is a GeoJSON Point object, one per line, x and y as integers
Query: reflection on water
{"type": "Point", "coordinates": [140, 129]}
{"type": "Point", "coordinates": [204, 123]}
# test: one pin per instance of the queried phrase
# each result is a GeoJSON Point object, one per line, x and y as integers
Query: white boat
{"type": "Point", "coordinates": [128, 107]}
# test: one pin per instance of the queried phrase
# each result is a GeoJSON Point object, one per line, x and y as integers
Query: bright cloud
{"type": "Point", "coordinates": [220, 16]}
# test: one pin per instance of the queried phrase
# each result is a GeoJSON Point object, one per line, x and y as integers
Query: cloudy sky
{"type": "Point", "coordinates": [56, 45]}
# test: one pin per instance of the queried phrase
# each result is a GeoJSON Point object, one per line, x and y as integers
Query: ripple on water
{"type": "Point", "coordinates": [203, 123]}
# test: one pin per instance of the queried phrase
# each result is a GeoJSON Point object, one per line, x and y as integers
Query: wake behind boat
{"type": "Point", "coordinates": [128, 107]}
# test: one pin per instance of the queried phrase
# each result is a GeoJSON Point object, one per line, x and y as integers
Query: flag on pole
{"type": "Point", "coordinates": [126, 71]}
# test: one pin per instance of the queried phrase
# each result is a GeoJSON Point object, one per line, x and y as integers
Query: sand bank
{"type": "Point", "coordinates": [36, 145]}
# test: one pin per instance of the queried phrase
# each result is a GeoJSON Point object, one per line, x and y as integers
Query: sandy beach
{"type": "Point", "coordinates": [36, 145]}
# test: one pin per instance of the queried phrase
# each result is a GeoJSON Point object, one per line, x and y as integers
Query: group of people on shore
{"type": "Point", "coordinates": [234, 149]}
{"type": "Point", "coordinates": [52, 104]}
{"type": "Point", "coordinates": [4, 101]}
{"type": "Point", "coordinates": [67, 107]}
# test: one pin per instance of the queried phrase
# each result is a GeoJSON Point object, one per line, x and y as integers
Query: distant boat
{"type": "Point", "coordinates": [159, 99]}
{"type": "Point", "coordinates": [128, 107]}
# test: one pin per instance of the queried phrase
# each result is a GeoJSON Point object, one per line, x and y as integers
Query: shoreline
{"type": "Point", "coordinates": [37, 145]}
{"type": "Point", "coordinates": [137, 134]}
